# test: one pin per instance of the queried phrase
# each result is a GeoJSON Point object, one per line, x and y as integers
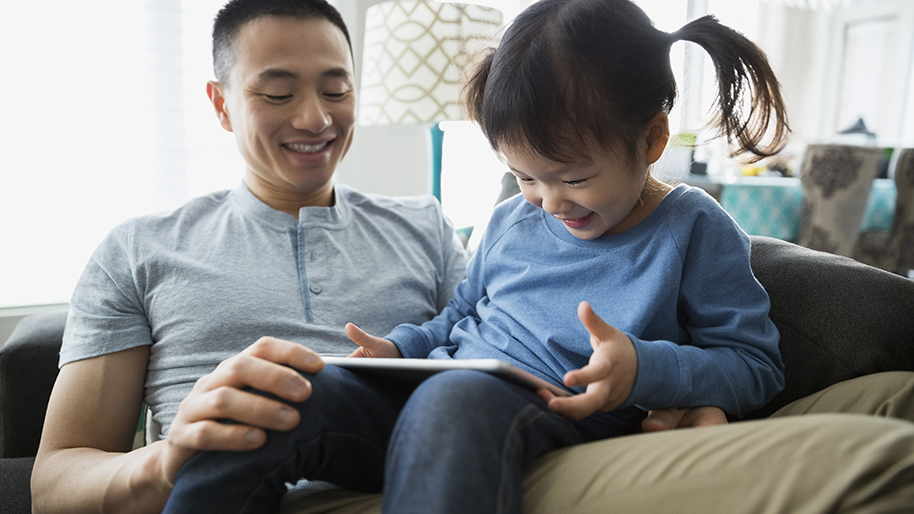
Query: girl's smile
{"type": "Point", "coordinates": [604, 195]}
{"type": "Point", "coordinates": [576, 223]}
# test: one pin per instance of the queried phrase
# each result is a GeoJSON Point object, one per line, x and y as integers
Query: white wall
{"type": "Point", "coordinates": [805, 50]}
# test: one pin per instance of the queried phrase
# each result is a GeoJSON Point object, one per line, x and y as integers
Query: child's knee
{"type": "Point", "coordinates": [461, 397]}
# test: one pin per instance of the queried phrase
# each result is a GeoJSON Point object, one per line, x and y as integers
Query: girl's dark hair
{"type": "Point", "coordinates": [568, 72]}
{"type": "Point", "coordinates": [236, 13]}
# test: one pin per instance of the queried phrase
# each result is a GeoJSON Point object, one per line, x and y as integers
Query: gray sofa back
{"type": "Point", "coordinates": [838, 319]}
{"type": "Point", "coordinates": [28, 369]}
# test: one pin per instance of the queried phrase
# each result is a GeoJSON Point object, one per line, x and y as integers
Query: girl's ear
{"type": "Point", "coordinates": [214, 90]}
{"type": "Point", "coordinates": [658, 135]}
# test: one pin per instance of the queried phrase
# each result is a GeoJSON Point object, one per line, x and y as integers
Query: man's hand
{"type": "Point", "coordinates": [371, 346]}
{"type": "Point", "coordinates": [609, 376]}
{"type": "Point", "coordinates": [269, 365]}
{"type": "Point", "coordinates": [668, 419]}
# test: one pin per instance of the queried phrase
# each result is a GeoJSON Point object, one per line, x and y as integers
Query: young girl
{"type": "Point", "coordinates": [575, 99]}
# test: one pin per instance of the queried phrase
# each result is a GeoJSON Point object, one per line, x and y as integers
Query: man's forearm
{"type": "Point", "coordinates": [90, 480]}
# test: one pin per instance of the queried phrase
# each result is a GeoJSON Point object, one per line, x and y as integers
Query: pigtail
{"type": "Point", "coordinates": [743, 76]}
{"type": "Point", "coordinates": [474, 88]}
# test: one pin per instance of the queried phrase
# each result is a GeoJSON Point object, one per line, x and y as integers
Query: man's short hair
{"type": "Point", "coordinates": [236, 13]}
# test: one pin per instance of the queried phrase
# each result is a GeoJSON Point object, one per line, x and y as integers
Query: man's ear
{"type": "Point", "coordinates": [658, 135]}
{"type": "Point", "coordinates": [216, 93]}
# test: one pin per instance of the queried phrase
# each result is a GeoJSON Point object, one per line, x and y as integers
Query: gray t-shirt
{"type": "Point", "coordinates": [205, 281]}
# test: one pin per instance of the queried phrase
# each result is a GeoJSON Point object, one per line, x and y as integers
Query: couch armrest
{"type": "Point", "coordinates": [28, 369]}
{"type": "Point", "coordinates": [15, 491]}
{"type": "Point", "coordinates": [838, 318]}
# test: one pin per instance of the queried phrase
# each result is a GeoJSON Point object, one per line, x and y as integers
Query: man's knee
{"type": "Point", "coordinates": [888, 394]}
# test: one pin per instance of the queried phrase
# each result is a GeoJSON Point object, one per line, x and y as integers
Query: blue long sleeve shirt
{"type": "Point", "coordinates": [679, 284]}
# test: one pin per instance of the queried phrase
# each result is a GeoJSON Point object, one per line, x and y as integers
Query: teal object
{"type": "Point", "coordinates": [436, 144]}
{"type": "Point", "coordinates": [773, 206]}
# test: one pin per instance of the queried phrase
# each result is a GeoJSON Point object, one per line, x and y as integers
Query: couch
{"type": "Point", "coordinates": [838, 319]}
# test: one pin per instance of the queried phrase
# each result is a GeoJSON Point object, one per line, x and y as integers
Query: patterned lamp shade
{"type": "Point", "coordinates": [415, 53]}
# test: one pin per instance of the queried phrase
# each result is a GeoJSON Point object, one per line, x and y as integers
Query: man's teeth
{"type": "Point", "coordinates": [298, 147]}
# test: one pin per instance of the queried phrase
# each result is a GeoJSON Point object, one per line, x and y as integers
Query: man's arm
{"type": "Point", "coordinates": [84, 462]}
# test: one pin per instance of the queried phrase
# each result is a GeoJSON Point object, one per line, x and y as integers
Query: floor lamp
{"type": "Point", "coordinates": [414, 56]}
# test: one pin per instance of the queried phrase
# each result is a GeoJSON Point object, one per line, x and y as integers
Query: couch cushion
{"type": "Point", "coordinates": [15, 493]}
{"type": "Point", "coordinates": [838, 318]}
{"type": "Point", "coordinates": [28, 369]}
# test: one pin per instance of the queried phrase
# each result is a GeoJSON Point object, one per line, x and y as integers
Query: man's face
{"type": "Point", "coordinates": [290, 102]}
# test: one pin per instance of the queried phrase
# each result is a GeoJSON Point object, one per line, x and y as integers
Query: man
{"type": "Point", "coordinates": [288, 254]}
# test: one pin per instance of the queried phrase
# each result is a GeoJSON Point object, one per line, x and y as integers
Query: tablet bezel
{"type": "Point", "coordinates": [417, 370]}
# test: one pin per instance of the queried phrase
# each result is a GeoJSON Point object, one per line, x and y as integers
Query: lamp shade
{"type": "Point", "coordinates": [415, 53]}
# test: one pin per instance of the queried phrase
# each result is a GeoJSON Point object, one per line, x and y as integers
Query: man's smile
{"type": "Point", "coordinates": [303, 148]}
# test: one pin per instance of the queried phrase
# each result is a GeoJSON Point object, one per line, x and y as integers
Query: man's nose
{"type": "Point", "coordinates": [311, 115]}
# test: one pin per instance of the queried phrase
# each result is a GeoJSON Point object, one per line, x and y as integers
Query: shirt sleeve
{"type": "Point", "coordinates": [106, 314]}
{"type": "Point", "coordinates": [730, 358]}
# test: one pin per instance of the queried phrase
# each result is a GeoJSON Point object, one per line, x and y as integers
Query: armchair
{"type": "Point", "coordinates": [28, 369]}
{"type": "Point", "coordinates": [838, 319]}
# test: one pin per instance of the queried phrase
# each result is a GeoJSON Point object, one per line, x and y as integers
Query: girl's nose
{"type": "Point", "coordinates": [553, 204]}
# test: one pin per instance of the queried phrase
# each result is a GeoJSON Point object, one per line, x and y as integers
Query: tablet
{"type": "Point", "coordinates": [417, 370]}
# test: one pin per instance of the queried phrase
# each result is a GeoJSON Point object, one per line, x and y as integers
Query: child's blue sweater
{"type": "Point", "coordinates": [678, 284]}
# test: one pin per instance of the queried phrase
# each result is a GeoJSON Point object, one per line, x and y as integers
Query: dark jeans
{"type": "Point", "coordinates": [458, 443]}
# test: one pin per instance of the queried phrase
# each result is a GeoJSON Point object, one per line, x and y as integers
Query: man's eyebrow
{"type": "Point", "coordinates": [276, 73]}
{"type": "Point", "coordinates": [337, 73]}
{"type": "Point", "coordinates": [281, 73]}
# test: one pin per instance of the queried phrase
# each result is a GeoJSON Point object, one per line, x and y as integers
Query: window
{"type": "Point", "coordinates": [104, 118]}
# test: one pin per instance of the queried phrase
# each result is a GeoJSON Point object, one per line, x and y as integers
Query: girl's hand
{"type": "Point", "coordinates": [371, 346]}
{"type": "Point", "coordinates": [609, 376]}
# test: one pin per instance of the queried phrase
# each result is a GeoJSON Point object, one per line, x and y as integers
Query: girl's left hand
{"type": "Point", "coordinates": [369, 345]}
{"type": "Point", "coordinates": [609, 376]}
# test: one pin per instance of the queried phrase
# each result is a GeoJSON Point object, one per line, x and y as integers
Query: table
{"type": "Point", "coordinates": [773, 206]}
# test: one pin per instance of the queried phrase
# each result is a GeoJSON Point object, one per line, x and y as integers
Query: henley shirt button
{"type": "Point", "coordinates": [316, 289]}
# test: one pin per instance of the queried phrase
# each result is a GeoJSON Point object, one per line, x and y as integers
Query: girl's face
{"type": "Point", "coordinates": [590, 199]}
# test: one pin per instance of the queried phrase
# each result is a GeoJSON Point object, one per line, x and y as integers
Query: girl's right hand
{"type": "Point", "coordinates": [609, 374]}
{"type": "Point", "coordinates": [371, 346]}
